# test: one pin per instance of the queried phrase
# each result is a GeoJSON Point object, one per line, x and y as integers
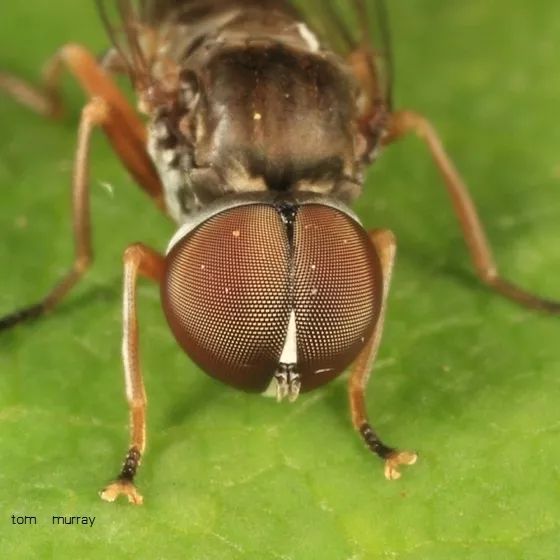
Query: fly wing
{"type": "Point", "coordinates": [357, 30]}
{"type": "Point", "coordinates": [130, 25]}
{"type": "Point", "coordinates": [150, 36]}
{"type": "Point", "coordinates": [157, 10]}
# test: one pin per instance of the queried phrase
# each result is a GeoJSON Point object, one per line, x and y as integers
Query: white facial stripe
{"type": "Point", "coordinates": [289, 353]}
{"type": "Point", "coordinates": [309, 37]}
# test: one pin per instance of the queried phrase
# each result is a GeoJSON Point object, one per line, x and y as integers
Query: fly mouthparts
{"type": "Point", "coordinates": [288, 382]}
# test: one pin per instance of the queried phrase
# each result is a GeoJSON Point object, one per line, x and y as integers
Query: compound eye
{"type": "Point", "coordinates": [226, 294]}
{"type": "Point", "coordinates": [338, 292]}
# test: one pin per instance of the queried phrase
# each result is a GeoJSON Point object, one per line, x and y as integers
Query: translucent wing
{"type": "Point", "coordinates": [359, 31]}
{"type": "Point", "coordinates": [131, 26]}
{"type": "Point", "coordinates": [150, 36]}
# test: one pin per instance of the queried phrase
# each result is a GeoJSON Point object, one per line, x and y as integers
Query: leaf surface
{"type": "Point", "coordinates": [469, 380]}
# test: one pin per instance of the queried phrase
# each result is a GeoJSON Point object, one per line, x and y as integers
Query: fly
{"type": "Point", "coordinates": [261, 118]}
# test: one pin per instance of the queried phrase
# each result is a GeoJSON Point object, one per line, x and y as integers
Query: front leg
{"type": "Point", "coordinates": [384, 242]}
{"type": "Point", "coordinates": [138, 259]}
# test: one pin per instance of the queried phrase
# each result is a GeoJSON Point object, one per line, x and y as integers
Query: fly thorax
{"type": "Point", "coordinates": [173, 160]}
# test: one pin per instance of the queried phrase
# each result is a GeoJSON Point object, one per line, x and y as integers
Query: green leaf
{"type": "Point", "coordinates": [467, 379]}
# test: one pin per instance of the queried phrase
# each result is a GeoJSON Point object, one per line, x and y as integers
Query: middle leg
{"type": "Point", "coordinates": [94, 114]}
{"type": "Point", "coordinates": [107, 109]}
{"type": "Point", "coordinates": [404, 122]}
{"type": "Point", "coordinates": [125, 130]}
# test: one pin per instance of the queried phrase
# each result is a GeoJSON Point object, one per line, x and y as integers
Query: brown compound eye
{"type": "Point", "coordinates": [226, 294]}
{"type": "Point", "coordinates": [233, 284]}
{"type": "Point", "coordinates": [337, 293]}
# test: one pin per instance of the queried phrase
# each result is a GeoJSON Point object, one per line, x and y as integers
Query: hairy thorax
{"type": "Point", "coordinates": [273, 112]}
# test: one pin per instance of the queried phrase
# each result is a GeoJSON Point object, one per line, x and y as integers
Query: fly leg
{"type": "Point", "coordinates": [93, 115]}
{"type": "Point", "coordinates": [107, 109]}
{"type": "Point", "coordinates": [138, 260]}
{"type": "Point", "coordinates": [45, 102]}
{"type": "Point", "coordinates": [124, 129]}
{"type": "Point", "coordinates": [385, 244]}
{"type": "Point", "coordinates": [404, 122]}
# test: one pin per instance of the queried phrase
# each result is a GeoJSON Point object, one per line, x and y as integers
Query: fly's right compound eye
{"type": "Point", "coordinates": [225, 294]}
